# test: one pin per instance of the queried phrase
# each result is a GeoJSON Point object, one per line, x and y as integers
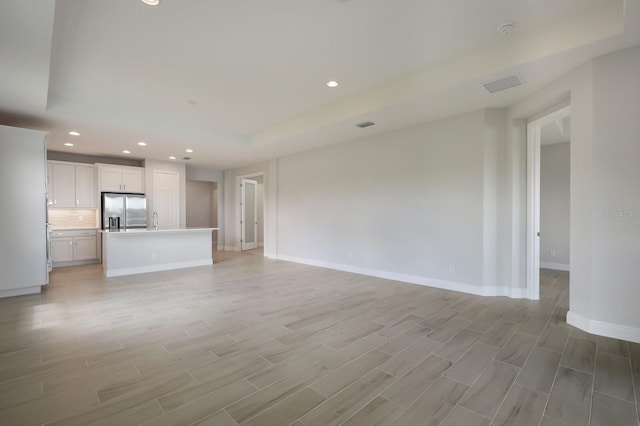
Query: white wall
{"type": "Point", "coordinates": [554, 205]}
{"type": "Point", "coordinates": [199, 204]}
{"type": "Point", "coordinates": [407, 204]}
{"type": "Point", "coordinates": [615, 210]}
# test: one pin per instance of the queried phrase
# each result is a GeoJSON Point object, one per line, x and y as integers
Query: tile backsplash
{"type": "Point", "coordinates": [73, 218]}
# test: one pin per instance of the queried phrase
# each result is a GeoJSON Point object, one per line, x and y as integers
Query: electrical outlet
{"type": "Point", "coordinates": [552, 252]}
{"type": "Point", "coordinates": [452, 268]}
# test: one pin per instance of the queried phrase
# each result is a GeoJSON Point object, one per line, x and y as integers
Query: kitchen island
{"type": "Point", "coordinates": [136, 251]}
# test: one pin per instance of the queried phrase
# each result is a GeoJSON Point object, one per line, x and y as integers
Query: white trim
{"type": "Point", "coordinates": [270, 255]}
{"type": "Point", "coordinates": [601, 328]}
{"type": "Point", "coordinates": [515, 293]}
{"type": "Point", "coordinates": [555, 266]}
{"type": "Point", "coordinates": [156, 268]}
{"type": "Point", "coordinates": [20, 291]}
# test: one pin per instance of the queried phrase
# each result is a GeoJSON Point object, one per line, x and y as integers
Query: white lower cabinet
{"type": "Point", "coordinates": [84, 248]}
{"type": "Point", "coordinates": [71, 246]}
{"type": "Point", "coordinates": [61, 249]}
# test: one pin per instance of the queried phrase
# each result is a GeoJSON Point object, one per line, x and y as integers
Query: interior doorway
{"type": "Point", "coordinates": [249, 214]}
{"type": "Point", "coordinates": [559, 119]}
{"type": "Point", "coordinates": [250, 218]}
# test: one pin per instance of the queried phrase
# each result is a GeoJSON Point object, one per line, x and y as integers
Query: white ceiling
{"type": "Point", "coordinates": [243, 81]}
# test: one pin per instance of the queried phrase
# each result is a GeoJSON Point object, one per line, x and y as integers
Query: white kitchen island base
{"type": "Point", "coordinates": [136, 251]}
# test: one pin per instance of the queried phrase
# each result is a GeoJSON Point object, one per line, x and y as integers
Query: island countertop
{"type": "Point", "coordinates": [132, 231]}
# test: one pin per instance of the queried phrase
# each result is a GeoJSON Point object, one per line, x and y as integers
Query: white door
{"type": "Point", "coordinates": [249, 219]}
{"type": "Point", "coordinates": [166, 199]}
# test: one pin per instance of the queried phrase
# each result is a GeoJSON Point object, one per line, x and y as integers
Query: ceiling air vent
{"type": "Point", "coordinates": [503, 83]}
{"type": "Point", "coordinates": [365, 124]}
{"type": "Point", "coordinates": [186, 158]}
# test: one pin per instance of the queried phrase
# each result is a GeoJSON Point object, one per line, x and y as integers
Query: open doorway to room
{"type": "Point", "coordinates": [251, 213]}
{"type": "Point", "coordinates": [548, 153]}
{"type": "Point", "coordinates": [202, 206]}
{"type": "Point", "coordinates": [555, 168]}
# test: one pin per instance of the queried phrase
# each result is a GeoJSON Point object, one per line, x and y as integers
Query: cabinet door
{"type": "Point", "coordinates": [110, 179]}
{"type": "Point", "coordinates": [64, 185]}
{"type": "Point", "coordinates": [132, 180]}
{"type": "Point", "coordinates": [61, 249]}
{"type": "Point", "coordinates": [84, 248]}
{"type": "Point", "coordinates": [85, 184]}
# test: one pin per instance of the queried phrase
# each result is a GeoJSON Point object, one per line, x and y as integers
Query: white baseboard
{"type": "Point", "coordinates": [555, 266]}
{"type": "Point", "coordinates": [270, 255]}
{"type": "Point", "coordinates": [601, 328]}
{"type": "Point", "coordinates": [20, 291]}
{"type": "Point", "coordinates": [516, 293]}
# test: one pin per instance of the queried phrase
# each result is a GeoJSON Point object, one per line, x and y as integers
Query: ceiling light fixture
{"type": "Point", "coordinates": [189, 150]}
{"type": "Point", "coordinates": [332, 83]}
{"type": "Point", "coordinates": [151, 2]}
{"type": "Point", "coordinates": [74, 133]}
{"type": "Point", "coordinates": [126, 151]}
{"type": "Point", "coordinates": [172, 158]}
{"type": "Point", "coordinates": [142, 143]}
{"type": "Point", "coordinates": [69, 144]}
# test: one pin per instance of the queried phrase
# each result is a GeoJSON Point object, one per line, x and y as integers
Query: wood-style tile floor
{"type": "Point", "coordinates": [253, 341]}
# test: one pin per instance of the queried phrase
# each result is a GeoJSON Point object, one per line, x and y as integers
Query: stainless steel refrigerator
{"type": "Point", "coordinates": [131, 209]}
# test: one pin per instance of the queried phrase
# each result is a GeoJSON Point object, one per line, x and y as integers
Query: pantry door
{"type": "Point", "coordinates": [166, 199]}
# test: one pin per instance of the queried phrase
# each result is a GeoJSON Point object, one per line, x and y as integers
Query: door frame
{"type": "Point", "coordinates": [533, 197]}
{"type": "Point", "coordinates": [238, 245]}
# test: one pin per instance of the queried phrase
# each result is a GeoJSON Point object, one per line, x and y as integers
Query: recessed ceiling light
{"type": "Point", "coordinates": [69, 144]}
{"type": "Point", "coordinates": [332, 83]}
{"type": "Point", "coordinates": [189, 150]}
{"type": "Point", "coordinates": [142, 143]}
{"type": "Point", "coordinates": [172, 158]}
{"type": "Point", "coordinates": [74, 133]}
{"type": "Point", "coordinates": [151, 2]}
{"type": "Point", "coordinates": [126, 151]}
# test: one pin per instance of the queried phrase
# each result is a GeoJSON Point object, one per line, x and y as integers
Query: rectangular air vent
{"type": "Point", "coordinates": [365, 124]}
{"type": "Point", "coordinates": [503, 83]}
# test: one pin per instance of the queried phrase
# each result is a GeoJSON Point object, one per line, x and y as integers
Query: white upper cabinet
{"type": "Point", "coordinates": [63, 185]}
{"type": "Point", "coordinates": [71, 185]}
{"type": "Point", "coordinates": [85, 186]}
{"type": "Point", "coordinates": [121, 179]}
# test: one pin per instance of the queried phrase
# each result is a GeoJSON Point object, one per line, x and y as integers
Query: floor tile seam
{"type": "Point", "coordinates": [379, 394]}
{"type": "Point", "coordinates": [553, 383]}
{"type": "Point", "coordinates": [274, 405]}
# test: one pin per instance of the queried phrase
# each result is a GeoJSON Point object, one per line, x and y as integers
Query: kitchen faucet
{"type": "Point", "coordinates": [155, 220]}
